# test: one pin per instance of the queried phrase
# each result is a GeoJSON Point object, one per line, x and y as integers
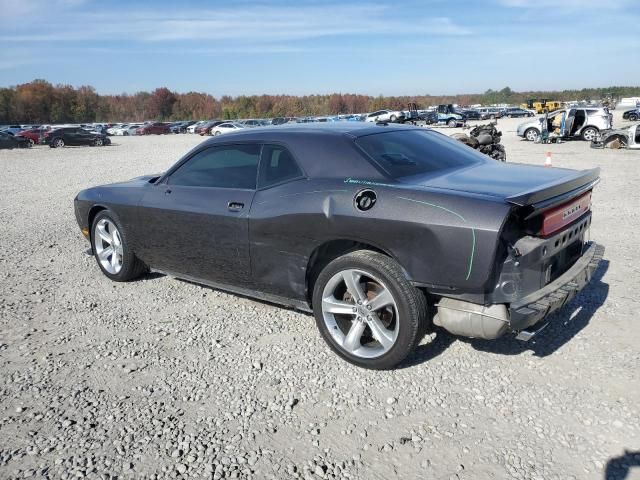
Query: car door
{"type": "Point", "coordinates": [84, 137]}
{"type": "Point", "coordinates": [569, 122]}
{"type": "Point", "coordinates": [194, 223]}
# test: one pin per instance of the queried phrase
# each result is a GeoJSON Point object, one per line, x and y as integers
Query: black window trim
{"type": "Point", "coordinates": [165, 177]}
{"type": "Point", "coordinates": [377, 165]}
{"type": "Point", "coordinates": [303, 175]}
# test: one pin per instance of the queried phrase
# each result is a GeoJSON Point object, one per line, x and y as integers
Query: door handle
{"type": "Point", "coordinates": [235, 206]}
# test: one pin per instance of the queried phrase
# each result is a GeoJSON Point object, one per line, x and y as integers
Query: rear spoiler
{"type": "Point", "coordinates": [552, 193]}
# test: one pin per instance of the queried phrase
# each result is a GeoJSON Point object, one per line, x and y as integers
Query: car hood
{"type": "Point", "coordinates": [513, 183]}
{"type": "Point", "coordinates": [531, 123]}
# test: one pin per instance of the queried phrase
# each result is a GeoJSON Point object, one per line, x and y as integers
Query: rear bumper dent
{"type": "Point", "coordinates": [533, 308]}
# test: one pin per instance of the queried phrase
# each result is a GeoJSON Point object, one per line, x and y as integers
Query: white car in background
{"type": "Point", "coordinates": [126, 130]}
{"type": "Point", "coordinates": [192, 128]}
{"type": "Point", "coordinates": [225, 128]}
{"type": "Point", "coordinates": [384, 116]}
{"type": "Point", "coordinates": [117, 126]}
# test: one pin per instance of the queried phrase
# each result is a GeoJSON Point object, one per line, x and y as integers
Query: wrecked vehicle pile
{"type": "Point", "coordinates": [485, 139]}
{"type": "Point", "coordinates": [618, 138]}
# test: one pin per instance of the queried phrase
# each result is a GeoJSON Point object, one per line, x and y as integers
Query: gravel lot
{"type": "Point", "coordinates": [163, 378]}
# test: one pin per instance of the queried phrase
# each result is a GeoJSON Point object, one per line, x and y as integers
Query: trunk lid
{"type": "Point", "coordinates": [520, 185]}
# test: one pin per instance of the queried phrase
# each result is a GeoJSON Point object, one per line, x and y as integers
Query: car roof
{"type": "Point", "coordinates": [335, 129]}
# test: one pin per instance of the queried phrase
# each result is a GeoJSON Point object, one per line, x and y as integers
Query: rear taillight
{"type": "Point", "coordinates": [559, 217]}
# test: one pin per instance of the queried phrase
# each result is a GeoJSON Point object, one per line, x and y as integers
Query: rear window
{"type": "Point", "coordinates": [406, 153]}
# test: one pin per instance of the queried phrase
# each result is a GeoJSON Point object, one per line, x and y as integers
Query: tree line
{"type": "Point", "coordinates": [42, 102]}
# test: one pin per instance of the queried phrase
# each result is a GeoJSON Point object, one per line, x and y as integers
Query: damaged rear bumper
{"type": "Point", "coordinates": [533, 308]}
{"type": "Point", "coordinates": [524, 316]}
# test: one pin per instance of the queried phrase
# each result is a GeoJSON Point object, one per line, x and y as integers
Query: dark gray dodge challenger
{"type": "Point", "coordinates": [380, 230]}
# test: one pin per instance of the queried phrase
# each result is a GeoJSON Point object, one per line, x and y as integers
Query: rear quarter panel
{"type": "Point", "coordinates": [441, 240]}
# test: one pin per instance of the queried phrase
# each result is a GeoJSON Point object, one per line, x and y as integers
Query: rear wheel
{"type": "Point", "coordinates": [452, 122]}
{"type": "Point", "coordinates": [367, 311]}
{"type": "Point", "coordinates": [31, 142]}
{"type": "Point", "coordinates": [98, 142]}
{"type": "Point", "coordinates": [57, 143]}
{"type": "Point", "coordinates": [589, 133]}
{"type": "Point", "coordinates": [633, 117]}
{"type": "Point", "coordinates": [531, 134]}
{"type": "Point", "coordinates": [393, 118]}
{"type": "Point", "coordinates": [111, 250]}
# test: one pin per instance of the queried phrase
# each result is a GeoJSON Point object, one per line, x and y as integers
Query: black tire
{"type": "Point", "coordinates": [31, 142]}
{"type": "Point", "coordinates": [452, 122]}
{"type": "Point", "coordinates": [411, 304]}
{"type": "Point", "coordinates": [528, 134]}
{"type": "Point", "coordinates": [98, 142]}
{"type": "Point", "coordinates": [633, 117]}
{"type": "Point", "coordinates": [589, 133]}
{"type": "Point", "coordinates": [57, 143]}
{"type": "Point", "coordinates": [393, 118]}
{"type": "Point", "coordinates": [132, 267]}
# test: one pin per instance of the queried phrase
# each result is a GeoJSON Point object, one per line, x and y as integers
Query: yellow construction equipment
{"type": "Point", "coordinates": [542, 106]}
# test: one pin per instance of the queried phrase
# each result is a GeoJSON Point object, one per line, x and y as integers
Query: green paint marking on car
{"type": "Point", "coordinates": [473, 232]}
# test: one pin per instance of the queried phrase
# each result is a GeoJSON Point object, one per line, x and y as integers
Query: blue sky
{"type": "Point", "coordinates": [301, 47]}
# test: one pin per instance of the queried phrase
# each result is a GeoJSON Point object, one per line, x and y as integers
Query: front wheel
{"type": "Point", "coordinates": [531, 134]}
{"type": "Point", "coordinates": [452, 123]}
{"type": "Point", "coordinates": [367, 311]}
{"type": "Point", "coordinates": [589, 133]}
{"type": "Point", "coordinates": [111, 250]}
{"type": "Point", "coordinates": [633, 117]}
{"type": "Point", "coordinates": [57, 143]}
{"type": "Point", "coordinates": [98, 142]}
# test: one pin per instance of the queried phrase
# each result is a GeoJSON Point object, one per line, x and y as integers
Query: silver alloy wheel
{"type": "Point", "coordinates": [98, 142]}
{"type": "Point", "coordinates": [360, 313]}
{"type": "Point", "coordinates": [58, 143]}
{"type": "Point", "coordinates": [107, 243]}
{"type": "Point", "coordinates": [589, 134]}
{"type": "Point", "coordinates": [531, 134]}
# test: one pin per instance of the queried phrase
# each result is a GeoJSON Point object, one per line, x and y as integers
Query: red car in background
{"type": "Point", "coordinates": [33, 135]}
{"type": "Point", "coordinates": [157, 128]}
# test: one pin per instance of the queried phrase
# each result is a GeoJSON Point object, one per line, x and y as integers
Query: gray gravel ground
{"type": "Point", "coordinates": [163, 378]}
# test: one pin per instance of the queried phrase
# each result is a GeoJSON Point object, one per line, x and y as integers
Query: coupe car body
{"type": "Point", "coordinates": [33, 135]}
{"type": "Point", "coordinates": [368, 225]}
{"type": "Point", "coordinates": [157, 128]}
{"type": "Point", "coordinates": [9, 141]}
{"type": "Point", "coordinates": [74, 136]}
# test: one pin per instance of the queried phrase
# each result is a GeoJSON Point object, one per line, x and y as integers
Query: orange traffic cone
{"type": "Point", "coordinates": [547, 160]}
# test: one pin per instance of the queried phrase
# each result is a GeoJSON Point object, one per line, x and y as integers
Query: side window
{"type": "Point", "coordinates": [277, 166]}
{"type": "Point", "coordinates": [230, 166]}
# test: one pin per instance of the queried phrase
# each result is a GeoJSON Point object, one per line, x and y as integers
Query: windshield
{"type": "Point", "coordinates": [404, 153]}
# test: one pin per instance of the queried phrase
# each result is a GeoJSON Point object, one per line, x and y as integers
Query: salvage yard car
{"type": "Point", "coordinates": [385, 116]}
{"type": "Point", "coordinates": [74, 136]}
{"type": "Point", "coordinates": [374, 228]}
{"type": "Point", "coordinates": [583, 123]}
{"type": "Point", "coordinates": [9, 141]}
{"type": "Point", "coordinates": [620, 138]}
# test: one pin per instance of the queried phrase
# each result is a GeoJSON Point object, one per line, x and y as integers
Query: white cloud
{"type": "Point", "coordinates": [255, 24]}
